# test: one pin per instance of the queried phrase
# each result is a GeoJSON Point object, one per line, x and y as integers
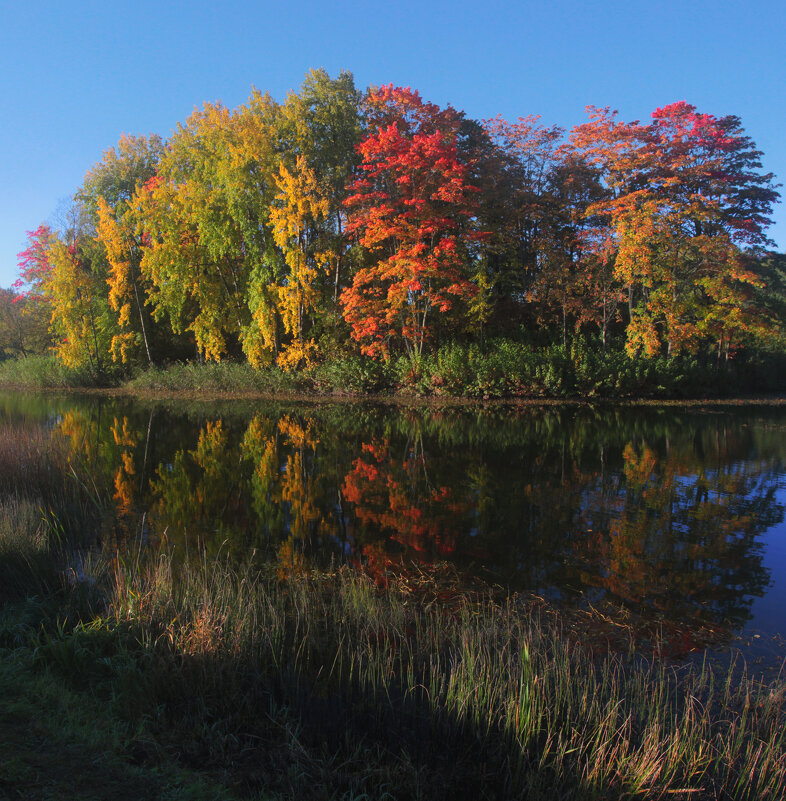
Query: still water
{"type": "Point", "coordinates": [667, 520]}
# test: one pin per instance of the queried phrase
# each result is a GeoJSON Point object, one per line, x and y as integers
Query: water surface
{"type": "Point", "coordinates": [662, 520]}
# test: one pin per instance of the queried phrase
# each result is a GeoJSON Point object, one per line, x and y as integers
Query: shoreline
{"type": "Point", "coordinates": [397, 399]}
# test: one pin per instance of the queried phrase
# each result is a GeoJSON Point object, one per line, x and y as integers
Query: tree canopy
{"type": "Point", "coordinates": [379, 224]}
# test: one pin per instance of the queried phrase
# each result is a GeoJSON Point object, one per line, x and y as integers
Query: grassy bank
{"type": "Point", "coordinates": [321, 686]}
{"type": "Point", "coordinates": [502, 369]}
{"type": "Point", "coordinates": [47, 372]}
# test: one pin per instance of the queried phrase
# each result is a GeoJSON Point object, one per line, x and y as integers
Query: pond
{"type": "Point", "coordinates": [664, 521]}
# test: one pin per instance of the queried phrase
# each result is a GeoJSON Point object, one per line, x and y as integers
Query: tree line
{"type": "Point", "coordinates": [375, 223]}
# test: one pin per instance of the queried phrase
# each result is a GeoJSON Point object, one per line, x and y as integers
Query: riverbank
{"type": "Point", "coordinates": [506, 372]}
{"type": "Point", "coordinates": [215, 398]}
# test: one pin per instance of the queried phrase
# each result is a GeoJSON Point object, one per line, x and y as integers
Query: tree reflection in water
{"type": "Point", "coordinates": [655, 518]}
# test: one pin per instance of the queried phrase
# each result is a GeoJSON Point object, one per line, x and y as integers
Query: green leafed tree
{"type": "Point", "coordinates": [204, 222]}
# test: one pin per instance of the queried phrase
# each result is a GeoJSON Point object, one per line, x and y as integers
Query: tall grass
{"type": "Point", "coordinates": [367, 693]}
{"type": "Point", "coordinates": [31, 560]}
{"type": "Point", "coordinates": [48, 372]}
{"type": "Point", "coordinates": [321, 685]}
{"type": "Point", "coordinates": [47, 511]}
{"type": "Point", "coordinates": [211, 378]}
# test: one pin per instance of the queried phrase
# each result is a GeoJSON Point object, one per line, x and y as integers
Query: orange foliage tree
{"type": "Point", "coordinates": [684, 197]}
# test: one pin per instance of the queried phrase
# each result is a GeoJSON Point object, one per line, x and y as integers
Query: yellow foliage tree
{"type": "Point", "coordinates": [108, 194]}
{"type": "Point", "coordinates": [203, 218]}
{"type": "Point", "coordinates": [78, 313]}
{"type": "Point", "coordinates": [121, 280]}
{"type": "Point", "coordinates": [301, 206]}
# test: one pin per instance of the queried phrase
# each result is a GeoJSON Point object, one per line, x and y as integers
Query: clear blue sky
{"type": "Point", "coordinates": [76, 75]}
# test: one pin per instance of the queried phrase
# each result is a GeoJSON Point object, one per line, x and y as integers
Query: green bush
{"type": "Point", "coordinates": [351, 374]}
{"type": "Point", "coordinates": [47, 372]}
{"type": "Point", "coordinates": [581, 369]}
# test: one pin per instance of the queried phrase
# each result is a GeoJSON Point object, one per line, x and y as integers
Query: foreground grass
{"type": "Point", "coordinates": [57, 743]}
{"type": "Point", "coordinates": [57, 740]}
{"type": "Point", "coordinates": [323, 686]}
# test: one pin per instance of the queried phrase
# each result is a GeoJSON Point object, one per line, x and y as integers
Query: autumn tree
{"type": "Point", "coordinates": [517, 201]}
{"type": "Point", "coordinates": [108, 192]}
{"type": "Point", "coordinates": [34, 264]}
{"type": "Point", "coordinates": [26, 312]}
{"type": "Point", "coordinates": [712, 167]}
{"type": "Point", "coordinates": [284, 232]}
{"type": "Point", "coordinates": [203, 216]}
{"type": "Point", "coordinates": [215, 265]}
{"type": "Point", "coordinates": [321, 127]}
{"type": "Point", "coordinates": [572, 282]}
{"type": "Point", "coordinates": [81, 323]}
{"type": "Point", "coordinates": [409, 209]}
{"type": "Point", "coordinates": [684, 197]}
{"type": "Point", "coordinates": [295, 299]}
{"type": "Point", "coordinates": [295, 218]}
{"type": "Point", "coordinates": [715, 202]}
{"type": "Point", "coordinates": [59, 275]}
{"type": "Point", "coordinates": [191, 255]}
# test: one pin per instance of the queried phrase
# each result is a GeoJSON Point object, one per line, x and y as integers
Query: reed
{"type": "Point", "coordinates": [486, 698]}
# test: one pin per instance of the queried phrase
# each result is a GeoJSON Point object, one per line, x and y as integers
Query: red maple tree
{"type": "Point", "coordinates": [409, 205]}
{"type": "Point", "coordinates": [34, 264]}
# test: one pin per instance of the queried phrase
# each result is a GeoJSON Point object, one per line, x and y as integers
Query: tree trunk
{"type": "Point", "coordinates": [564, 327]}
{"type": "Point", "coordinates": [142, 321]}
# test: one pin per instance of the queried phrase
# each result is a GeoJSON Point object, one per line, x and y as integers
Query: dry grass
{"type": "Point", "coordinates": [485, 698]}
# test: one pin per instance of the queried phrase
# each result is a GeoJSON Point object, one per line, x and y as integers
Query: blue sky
{"type": "Point", "coordinates": [77, 75]}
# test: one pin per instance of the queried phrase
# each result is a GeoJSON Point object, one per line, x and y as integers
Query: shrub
{"type": "Point", "coordinates": [47, 372]}
{"type": "Point", "coordinates": [351, 374]}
